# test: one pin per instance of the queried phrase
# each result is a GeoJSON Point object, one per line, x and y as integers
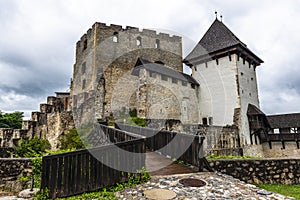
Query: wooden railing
{"type": "Point", "coordinates": [185, 147]}
{"type": "Point", "coordinates": [91, 169]}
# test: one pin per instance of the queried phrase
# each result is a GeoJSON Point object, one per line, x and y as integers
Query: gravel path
{"type": "Point", "coordinates": [219, 186]}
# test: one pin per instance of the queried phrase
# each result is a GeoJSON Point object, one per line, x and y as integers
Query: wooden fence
{"type": "Point", "coordinates": [185, 147]}
{"type": "Point", "coordinates": [91, 169]}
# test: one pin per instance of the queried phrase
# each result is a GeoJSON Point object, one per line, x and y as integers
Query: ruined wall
{"type": "Point", "coordinates": [10, 170]}
{"type": "Point", "coordinates": [109, 52]}
{"type": "Point", "coordinates": [10, 137]}
{"type": "Point", "coordinates": [269, 171]}
{"type": "Point", "coordinates": [52, 121]}
{"type": "Point", "coordinates": [277, 151]}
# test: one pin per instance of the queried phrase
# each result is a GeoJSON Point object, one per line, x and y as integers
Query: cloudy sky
{"type": "Point", "coordinates": [37, 41]}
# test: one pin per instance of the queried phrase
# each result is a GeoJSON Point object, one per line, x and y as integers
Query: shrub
{"type": "Point", "coordinates": [72, 141]}
{"type": "Point", "coordinates": [35, 147]}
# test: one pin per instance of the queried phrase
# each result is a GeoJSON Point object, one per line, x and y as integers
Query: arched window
{"type": "Point", "coordinates": [157, 44]}
{"type": "Point", "coordinates": [139, 41]}
{"type": "Point", "coordinates": [116, 37]}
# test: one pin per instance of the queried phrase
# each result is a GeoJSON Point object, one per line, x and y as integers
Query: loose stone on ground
{"type": "Point", "coordinates": [219, 186]}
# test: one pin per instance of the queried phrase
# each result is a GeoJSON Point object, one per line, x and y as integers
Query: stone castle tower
{"type": "Point", "coordinates": [105, 54]}
{"type": "Point", "coordinates": [225, 69]}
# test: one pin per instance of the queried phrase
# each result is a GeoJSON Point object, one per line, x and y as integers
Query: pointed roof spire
{"type": "Point", "coordinates": [218, 39]}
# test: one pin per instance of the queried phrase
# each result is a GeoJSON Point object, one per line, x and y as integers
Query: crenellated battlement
{"type": "Point", "coordinates": [105, 31]}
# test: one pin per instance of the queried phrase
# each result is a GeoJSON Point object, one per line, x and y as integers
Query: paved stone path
{"type": "Point", "coordinates": [157, 164]}
{"type": "Point", "coordinates": [219, 186]}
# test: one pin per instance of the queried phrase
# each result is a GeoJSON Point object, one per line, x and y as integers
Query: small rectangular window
{"type": "Point", "coordinates": [276, 130]}
{"type": "Point", "coordinates": [83, 68]}
{"type": "Point", "coordinates": [210, 121]}
{"type": "Point", "coordinates": [157, 44]}
{"type": "Point", "coordinates": [152, 74]}
{"type": "Point", "coordinates": [174, 80]}
{"type": "Point", "coordinates": [164, 77]}
{"type": "Point", "coordinates": [204, 121]}
{"type": "Point", "coordinates": [85, 44]}
{"type": "Point", "coordinates": [83, 84]}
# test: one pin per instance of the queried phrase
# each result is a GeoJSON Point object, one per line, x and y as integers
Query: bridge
{"type": "Point", "coordinates": [123, 152]}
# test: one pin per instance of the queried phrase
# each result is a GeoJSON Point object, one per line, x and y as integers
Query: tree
{"type": "Point", "coordinates": [11, 120]}
{"type": "Point", "coordinates": [32, 148]}
{"type": "Point", "coordinates": [72, 141]}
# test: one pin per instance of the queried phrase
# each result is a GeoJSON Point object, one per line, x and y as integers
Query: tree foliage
{"type": "Point", "coordinates": [32, 148]}
{"type": "Point", "coordinates": [72, 141]}
{"type": "Point", "coordinates": [11, 120]}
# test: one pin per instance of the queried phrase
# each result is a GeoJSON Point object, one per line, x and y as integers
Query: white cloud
{"type": "Point", "coordinates": [38, 38]}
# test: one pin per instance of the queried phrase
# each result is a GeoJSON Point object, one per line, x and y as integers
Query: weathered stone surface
{"type": "Point", "coordinates": [256, 170]}
{"type": "Point", "coordinates": [11, 169]}
{"type": "Point", "coordinates": [28, 193]}
{"type": "Point", "coordinates": [162, 194]}
{"type": "Point", "coordinates": [219, 186]}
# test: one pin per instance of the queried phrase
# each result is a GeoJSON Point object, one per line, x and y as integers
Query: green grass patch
{"type": "Point", "coordinates": [108, 192]}
{"type": "Point", "coordinates": [287, 190]}
{"type": "Point", "coordinates": [213, 156]}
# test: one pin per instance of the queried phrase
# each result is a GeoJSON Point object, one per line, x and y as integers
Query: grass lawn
{"type": "Point", "coordinates": [287, 190]}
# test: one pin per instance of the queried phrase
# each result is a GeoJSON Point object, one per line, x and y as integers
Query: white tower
{"type": "Point", "coordinates": [225, 69]}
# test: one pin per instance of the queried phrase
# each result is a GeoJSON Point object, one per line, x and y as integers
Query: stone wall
{"type": "Point", "coordinates": [107, 53]}
{"type": "Point", "coordinates": [11, 169]}
{"type": "Point", "coordinates": [270, 171]}
{"type": "Point", "coordinates": [290, 150]}
{"type": "Point", "coordinates": [219, 140]}
{"type": "Point", "coordinates": [53, 120]}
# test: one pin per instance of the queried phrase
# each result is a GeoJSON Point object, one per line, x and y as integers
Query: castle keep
{"type": "Point", "coordinates": [121, 69]}
{"type": "Point", "coordinates": [142, 70]}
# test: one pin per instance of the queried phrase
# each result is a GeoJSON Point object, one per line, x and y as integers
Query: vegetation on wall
{"type": "Point", "coordinates": [35, 147]}
{"type": "Point", "coordinates": [135, 119]}
{"type": "Point", "coordinates": [11, 120]}
{"type": "Point", "coordinates": [72, 140]}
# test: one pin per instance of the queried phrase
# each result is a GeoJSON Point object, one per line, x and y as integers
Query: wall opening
{"type": "Point", "coordinates": [157, 43]}
{"type": "Point", "coordinates": [159, 62]}
{"type": "Point", "coordinates": [174, 80]}
{"type": "Point", "coordinates": [116, 37]}
{"type": "Point", "coordinates": [276, 130]}
{"type": "Point", "coordinates": [85, 44]}
{"type": "Point", "coordinates": [139, 41]}
{"type": "Point", "coordinates": [164, 77]}
{"type": "Point", "coordinates": [83, 68]}
{"type": "Point", "coordinates": [83, 83]}
{"type": "Point", "coordinates": [210, 121]}
{"type": "Point", "coordinates": [204, 121]}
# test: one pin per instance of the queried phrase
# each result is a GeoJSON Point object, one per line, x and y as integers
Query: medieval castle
{"type": "Point", "coordinates": [118, 70]}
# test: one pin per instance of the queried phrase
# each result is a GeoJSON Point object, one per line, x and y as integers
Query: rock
{"type": "Point", "coordinates": [28, 193]}
{"type": "Point", "coordinates": [161, 194]}
{"type": "Point", "coordinates": [264, 192]}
